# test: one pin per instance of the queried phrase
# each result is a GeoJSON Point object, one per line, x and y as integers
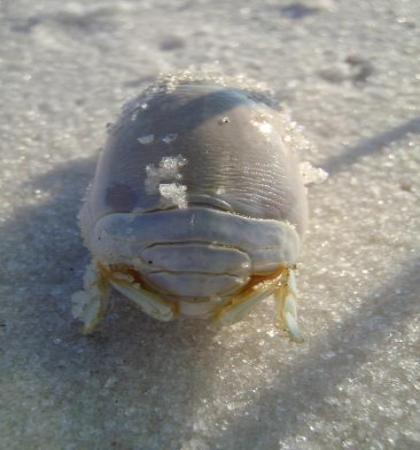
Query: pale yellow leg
{"type": "Point", "coordinates": [242, 304]}
{"type": "Point", "coordinates": [92, 304]}
{"type": "Point", "coordinates": [286, 295]}
{"type": "Point", "coordinates": [148, 302]}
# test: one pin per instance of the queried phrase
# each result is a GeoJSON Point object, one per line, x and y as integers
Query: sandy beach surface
{"type": "Point", "coordinates": [350, 73]}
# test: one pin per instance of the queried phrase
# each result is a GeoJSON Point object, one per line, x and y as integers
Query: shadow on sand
{"type": "Point", "coordinates": [133, 359]}
{"type": "Point", "coordinates": [369, 146]}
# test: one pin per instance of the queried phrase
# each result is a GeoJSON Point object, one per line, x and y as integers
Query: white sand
{"type": "Point", "coordinates": [350, 72]}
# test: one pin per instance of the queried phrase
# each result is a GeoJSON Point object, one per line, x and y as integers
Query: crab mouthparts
{"type": "Point", "coordinates": [124, 275]}
{"type": "Point", "coordinates": [188, 286]}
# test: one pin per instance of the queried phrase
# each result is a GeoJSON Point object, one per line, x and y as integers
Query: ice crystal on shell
{"type": "Point", "coordinates": [173, 194]}
{"type": "Point", "coordinates": [311, 174]}
{"type": "Point", "coordinates": [169, 138]}
{"type": "Point", "coordinates": [145, 140]}
{"type": "Point", "coordinates": [263, 127]}
{"type": "Point", "coordinates": [165, 180]}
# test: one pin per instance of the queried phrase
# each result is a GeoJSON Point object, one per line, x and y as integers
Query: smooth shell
{"type": "Point", "coordinates": [234, 148]}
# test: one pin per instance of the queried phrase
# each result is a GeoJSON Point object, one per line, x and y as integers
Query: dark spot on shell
{"type": "Point", "coordinates": [120, 197]}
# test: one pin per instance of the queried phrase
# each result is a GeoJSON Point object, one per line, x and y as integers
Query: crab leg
{"type": "Point", "coordinates": [240, 305]}
{"type": "Point", "coordinates": [285, 296]}
{"type": "Point", "coordinates": [92, 304]}
{"type": "Point", "coordinates": [148, 302]}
